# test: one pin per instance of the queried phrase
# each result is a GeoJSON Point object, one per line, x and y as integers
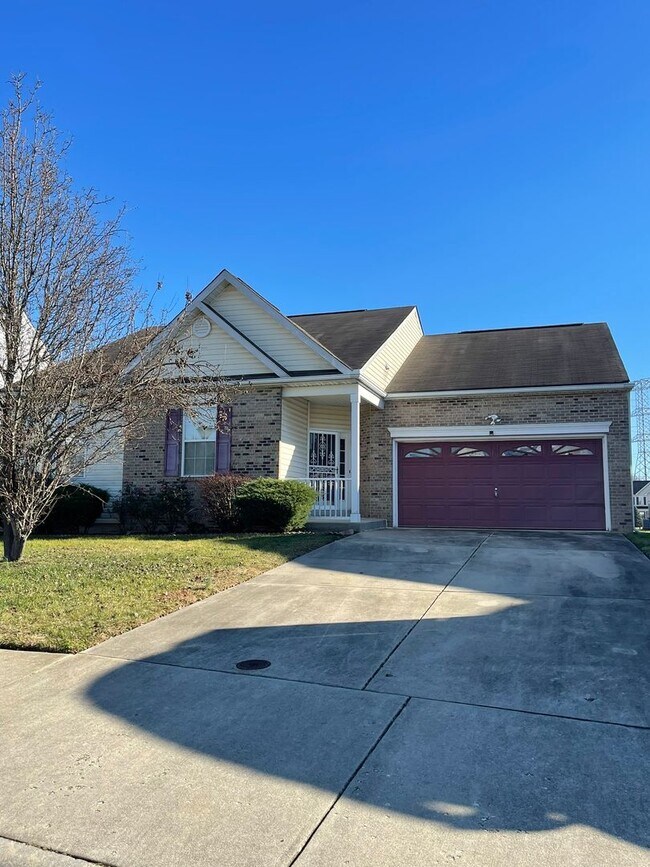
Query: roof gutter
{"type": "Point", "coordinates": [468, 392]}
{"type": "Point", "coordinates": [334, 377]}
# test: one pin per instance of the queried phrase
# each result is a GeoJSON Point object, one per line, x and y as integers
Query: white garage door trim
{"type": "Point", "coordinates": [591, 430]}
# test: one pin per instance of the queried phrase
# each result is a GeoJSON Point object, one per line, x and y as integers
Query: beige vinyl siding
{"type": "Point", "coordinates": [223, 351]}
{"type": "Point", "coordinates": [265, 331]}
{"type": "Point", "coordinates": [392, 354]}
{"type": "Point", "coordinates": [293, 438]}
{"type": "Point", "coordinates": [329, 418]}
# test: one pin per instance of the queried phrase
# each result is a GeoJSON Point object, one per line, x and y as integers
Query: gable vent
{"type": "Point", "coordinates": [201, 327]}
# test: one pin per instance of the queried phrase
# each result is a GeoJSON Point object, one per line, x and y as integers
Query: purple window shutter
{"type": "Point", "coordinates": [173, 431]}
{"type": "Point", "coordinates": [222, 456]}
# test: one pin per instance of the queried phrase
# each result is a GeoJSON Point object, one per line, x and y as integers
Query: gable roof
{"type": "Point", "coordinates": [639, 485]}
{"type": "Point", "coordinates": [553, 355]}
{"type": "Point", "coordinates": [353, 335]}
{"type": "Point", "coordinates": [224, 279]}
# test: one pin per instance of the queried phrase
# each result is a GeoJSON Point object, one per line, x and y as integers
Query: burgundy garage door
{"type": "Point", "coordinates": [545, 485]}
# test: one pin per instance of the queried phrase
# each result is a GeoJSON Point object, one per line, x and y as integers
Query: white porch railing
{"type": "Point", "coordinates": [332, 497]}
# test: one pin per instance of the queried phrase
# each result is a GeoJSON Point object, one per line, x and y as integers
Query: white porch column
{"type": "Point", "coordinates": [355, 454]}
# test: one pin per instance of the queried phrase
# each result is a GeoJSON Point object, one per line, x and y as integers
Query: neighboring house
{"type": "Point", "coordinates": [512, 428]}
{"type": "Point", "coordinates": [641, 491]}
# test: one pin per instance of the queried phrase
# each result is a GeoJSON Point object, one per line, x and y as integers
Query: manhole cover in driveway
{"type": "Point", "coordinates": [252, 664]}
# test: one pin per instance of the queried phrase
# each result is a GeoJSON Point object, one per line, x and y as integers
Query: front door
{"type": "Point", "coordinates": [328, 460]}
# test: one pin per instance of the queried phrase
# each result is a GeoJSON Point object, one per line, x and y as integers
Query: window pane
{"type": "Point", "coordinates": [521, 451]}
{"type": "Point", "coordinates": [425, 453]}
{"type": "Point", "coordinates": [466, 452]}
{"type": "Point", "coordinates": [570, 450]}
{"type": "Point", "coordinates": [342, 445]}
{"type": "Point", "coordinates": [199, 459]}
{"type": "Point", "coordinates": [202, 427]}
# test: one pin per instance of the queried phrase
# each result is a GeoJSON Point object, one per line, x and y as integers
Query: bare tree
{"type": "Point", "coordinates": [71, 323]}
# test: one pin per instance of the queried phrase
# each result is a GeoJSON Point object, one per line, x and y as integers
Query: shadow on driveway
{"type": "Point", "coordinates": [468, 767]}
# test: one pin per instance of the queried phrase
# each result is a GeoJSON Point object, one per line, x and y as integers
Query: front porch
{"type": "Point", "coordinates": [320, 445]}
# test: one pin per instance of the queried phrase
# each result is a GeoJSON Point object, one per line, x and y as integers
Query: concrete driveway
{"type": "Point", "coordinates": [432, 697]}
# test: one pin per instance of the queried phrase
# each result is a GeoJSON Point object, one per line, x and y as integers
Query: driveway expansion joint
{"type": "Point", "coordinates": [580, 719]}
{"type": "Point", "coordinates": [403, 695]}
{"type": "Point", "coordinates": [424, 613]}
{"type": "Point", "coordinates": [345, 787]}
{"type": "Point", "coordinates": [553, 595]}
{"type": "Point", "coordinates": [86, 859]}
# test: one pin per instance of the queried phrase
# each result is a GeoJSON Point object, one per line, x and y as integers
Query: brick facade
{"type": "Point", "coordinates": [255, 441]}
{"type": "Point", "coordinates": [257, 420]}
{"type": "Point", "coordinates": [588, 406]}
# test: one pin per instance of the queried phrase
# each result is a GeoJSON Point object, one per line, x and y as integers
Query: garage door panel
{"type": "Point", "coordinates": [530, 514]}
{"type": "Point", "coordinates": [515, 471]}
{"type": "Point", "coordinates": [589, 493]}
{"type": "Point", "coordinates": [465, 490]}
{"type": "Point", "coordinates": [555, 484]}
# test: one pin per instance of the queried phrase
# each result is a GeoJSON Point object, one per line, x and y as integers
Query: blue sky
{"type": "Point", "coordinates": [487, 161]}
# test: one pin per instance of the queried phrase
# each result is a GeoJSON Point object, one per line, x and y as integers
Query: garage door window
{"type": "Point", "coordinates": [434, 452]}
{"type": "Point", "coordinates": [570, 450]}
{"type": "Point", "coordinates": [521, 451]}
{"type": "Point", "coordinates": [466, 452]}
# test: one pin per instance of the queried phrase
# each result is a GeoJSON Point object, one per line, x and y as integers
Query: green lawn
{"type": "Point", "coordinates": [68, 594]}
{"type": "Point", "coordinates": [641, 539]}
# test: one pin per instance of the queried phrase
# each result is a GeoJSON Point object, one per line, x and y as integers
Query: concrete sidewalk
{"type": "Point", "coordinates": [16, 664]}
{"type": "Point", "coordinates": [424, 687]}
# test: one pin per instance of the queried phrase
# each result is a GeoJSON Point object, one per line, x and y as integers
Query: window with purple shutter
{"type": "Point", "coordinates": [173, 433]}
{"type": "Point", "coordinates": [222, 457]}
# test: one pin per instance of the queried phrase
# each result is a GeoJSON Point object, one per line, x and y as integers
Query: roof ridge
{"type": "Point", "coordinates": [359, 310]}
{"type": "Point", "coordinates": [514, 328]}
{"type": "Point", "coordinates": [527, 327]}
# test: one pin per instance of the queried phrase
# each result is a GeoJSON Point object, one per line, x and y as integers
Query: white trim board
{"type": "Point", "coordinates": [333, 390]}
{"type": "Point", "coordinates": [501, 431]}
{"type": "Point", "coordinates": [532, 389]}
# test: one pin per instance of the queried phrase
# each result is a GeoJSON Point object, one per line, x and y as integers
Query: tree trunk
{"type": "Point", "coordinates": [14, 542]}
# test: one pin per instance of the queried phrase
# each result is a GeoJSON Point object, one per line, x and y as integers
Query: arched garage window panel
{"type": "Point", "coordinates": [467, 452]}
{"type": "Point", "coordinates": [434, 452]}
{"type": "Point", "coordinates": [522, 451]}
{"type": "Point", "coordinates": [563, 449]}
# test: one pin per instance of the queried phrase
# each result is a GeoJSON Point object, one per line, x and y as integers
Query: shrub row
{"type": "Point", "coordinates": [276, 505]}
{"type": "Point", "coordinates": [76, 508]}
{"type": "Point", "coordinates": [228, 502]}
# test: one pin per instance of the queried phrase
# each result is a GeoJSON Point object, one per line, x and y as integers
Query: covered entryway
{"type": "Point", "coordinates": [544, 484]}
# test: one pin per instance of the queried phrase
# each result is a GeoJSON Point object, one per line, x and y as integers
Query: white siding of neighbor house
{"type": "Point", "coordinates": [27, 332]}
{"type": "Point", "coordinates": [106, 474]}
{"type": "Point", "coordinates": [265, 331]}
{"type": "Point", "coordinates": [293, 438]}
{"type": "Point", "coordinates": [392, 354]}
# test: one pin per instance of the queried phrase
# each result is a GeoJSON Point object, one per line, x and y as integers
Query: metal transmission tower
{"type": "Point", "coordinates": [641, 438]}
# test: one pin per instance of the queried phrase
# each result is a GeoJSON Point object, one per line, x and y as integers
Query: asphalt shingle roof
{"type": "Point", "coordinates": [581, 354]}
{"type": "Point", "coordinates": [353, 335]}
